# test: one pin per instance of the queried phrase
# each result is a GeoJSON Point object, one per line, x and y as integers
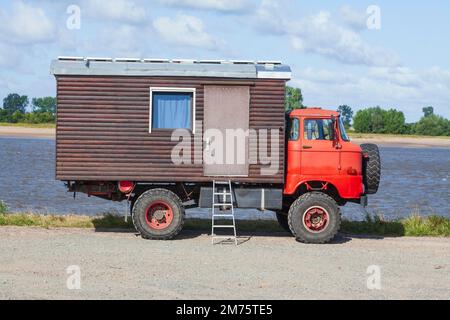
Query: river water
{"type": "Point", "coordinates": [414, 180]}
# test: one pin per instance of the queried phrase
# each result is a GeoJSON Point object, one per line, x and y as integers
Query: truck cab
{"type": "Point", "coordinates": [320, 153]}
{"type": "Point", "coordinates": [324, 170]}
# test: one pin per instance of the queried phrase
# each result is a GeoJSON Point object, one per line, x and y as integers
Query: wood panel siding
{"type": "Point", "coordinates": [102, 128]}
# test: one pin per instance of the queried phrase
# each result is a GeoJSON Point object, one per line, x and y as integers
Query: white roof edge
{"type": "Point", "coordinates": [99, 59]}
{"type": "Point", "coordinates": [212, 61]}
{"type": "Point", "coordinates": [70, 58]}
{"type": "Point", "coordinates": [275, 62]}
{"type": "Point", "coordinates": [93, 66]}
{"type": "Point", "coordinates": [127, 59]}
{"type": "Point", "coordinates": [184, 60]}
{"type": "Point", "coordinates": [269, 62]}
{"type": "Point", "coordinates": [274, 75]}
{"type": "Point", "coordinates": [243, 61]}
{"type": "Point", "coordinates": [155, 60]}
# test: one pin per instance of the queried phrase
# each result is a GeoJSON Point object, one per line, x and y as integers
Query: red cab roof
{"type": "Point", "coordinates": [314, 112]}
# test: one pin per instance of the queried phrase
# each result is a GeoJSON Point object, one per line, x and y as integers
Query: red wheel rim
{"type": "Point", "coordinates": [159, 215]}
{"type": "Point", "coordinates": [316, 219]}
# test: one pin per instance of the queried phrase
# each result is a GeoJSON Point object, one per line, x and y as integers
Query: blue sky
{"type": "Point", "coordinates": [336, 59]}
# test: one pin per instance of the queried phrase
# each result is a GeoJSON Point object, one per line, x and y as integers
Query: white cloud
{"type": "Point", "coordinates": [9, 56]}
{"type": "Point", "coordinates": [122, 41]}
{"type": "Point", "coordinates": [322, 35]}
{"type": "Point", "coordinates": [270, 18]}
{"type": "Point", "coordinates": [116, 41]}
{"type": "Point", "coordinates": [354, 19]}
{"type": "Point", "coordinates": [400, 76]}
{"type": "Point", "coordinates": [185, 30]}
{"type": "Point", "coordinates": [25, 25]}
{"type": "Point", "coordinates": [116, 10]}
{"type": "Point", "coordinates": [324, 76]}
{"type": "Point", "coordinates": [398, 87]}
{"type": "Point", "coordinates": [218, 5]}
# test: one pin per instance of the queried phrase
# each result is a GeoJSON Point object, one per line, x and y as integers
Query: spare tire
{"type": "Point", "coordinates": [371, 167]}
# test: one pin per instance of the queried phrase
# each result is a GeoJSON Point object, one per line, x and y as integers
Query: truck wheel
{"type": "Point", "coordinates": [371, 168]}
{"type": "Point", "coordinates": [158, 214]}
{"type": "Point", "coordinates": [283, 221]}
{"type": "Point", "coordinates": [314, 218]}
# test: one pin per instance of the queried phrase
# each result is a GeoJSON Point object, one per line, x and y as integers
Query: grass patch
{"type": "Point", "coordinates": [414, 226]}
{"type": "Point", "coordinates": [107, 221]}
{"type": "Point", "coordinates": [29, 125]}
{"type": "Point", "coordinates": [3, 207]}
{"type": "Point", "coordinates": [374, 226]}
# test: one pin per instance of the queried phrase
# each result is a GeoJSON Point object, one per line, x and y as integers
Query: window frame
{"type": "Point", "coordinates": [314, 119]}
{"type": "Point", "coordinates": [290, 126]}
{"type": "Point", "coordinates": [174, 90]}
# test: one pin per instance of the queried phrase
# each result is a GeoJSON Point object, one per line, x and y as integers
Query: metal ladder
{"type": "Point", "coordinates": [225, 195]}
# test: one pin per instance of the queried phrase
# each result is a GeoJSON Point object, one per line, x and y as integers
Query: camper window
{"type": "Point", "coordinates": [172, 108]}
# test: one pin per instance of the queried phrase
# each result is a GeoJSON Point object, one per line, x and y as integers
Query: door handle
{"type": "Point", "coordinates": [307, 147]}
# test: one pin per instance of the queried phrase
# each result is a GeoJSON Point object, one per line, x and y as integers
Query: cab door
{"type": "Point", "coordinates": [319, 155]}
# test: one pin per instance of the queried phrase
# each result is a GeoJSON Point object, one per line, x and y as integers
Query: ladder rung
{"type": "Point", "coordinates": [222, 182]}
{"type": "Point", "coordinates": [227, 192]}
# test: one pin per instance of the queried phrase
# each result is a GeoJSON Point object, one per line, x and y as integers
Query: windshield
{"type": "Point", "coordinates": [344, 135]}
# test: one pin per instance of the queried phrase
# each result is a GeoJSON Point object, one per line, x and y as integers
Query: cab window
{"type": "Point", "coordinates": [318, 129]}
{"type": "Point", "coordinates": [294, 129]}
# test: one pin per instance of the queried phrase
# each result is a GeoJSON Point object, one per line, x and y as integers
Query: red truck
{"type": "Point", "coordinates": [115, 139]}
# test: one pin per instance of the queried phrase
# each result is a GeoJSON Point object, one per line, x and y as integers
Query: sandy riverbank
{"type": "Point", "coordinates": [25, 132]}
{"type": "Point", "coordinates": [383, 140]}
{"type": "Point", "coordinates": [407, 141]}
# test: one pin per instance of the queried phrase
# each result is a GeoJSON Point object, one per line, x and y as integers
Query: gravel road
{"type": "Point", "coordinates": [33, 264]}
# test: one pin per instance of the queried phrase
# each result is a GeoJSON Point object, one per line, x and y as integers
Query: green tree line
{"type": "Point", "coordinates": [14, 109]}
{"type": "Point", "coordinates": [379, 120]}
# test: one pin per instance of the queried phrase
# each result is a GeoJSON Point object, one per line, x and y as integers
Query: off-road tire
{"type": "Point", "coordinates": [282, 219]}
{"type": "Point", "coordinates": [300, 207]}
{"type": "Point", "coordinates": [140, 210]}
{"type": "Point", "coordinates": [371, 168]}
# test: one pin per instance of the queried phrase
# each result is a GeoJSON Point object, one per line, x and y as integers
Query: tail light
{"type": "Point", "coordinates": [352, 172]}
{"type": "Point", "coordinates": [126, 186]}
